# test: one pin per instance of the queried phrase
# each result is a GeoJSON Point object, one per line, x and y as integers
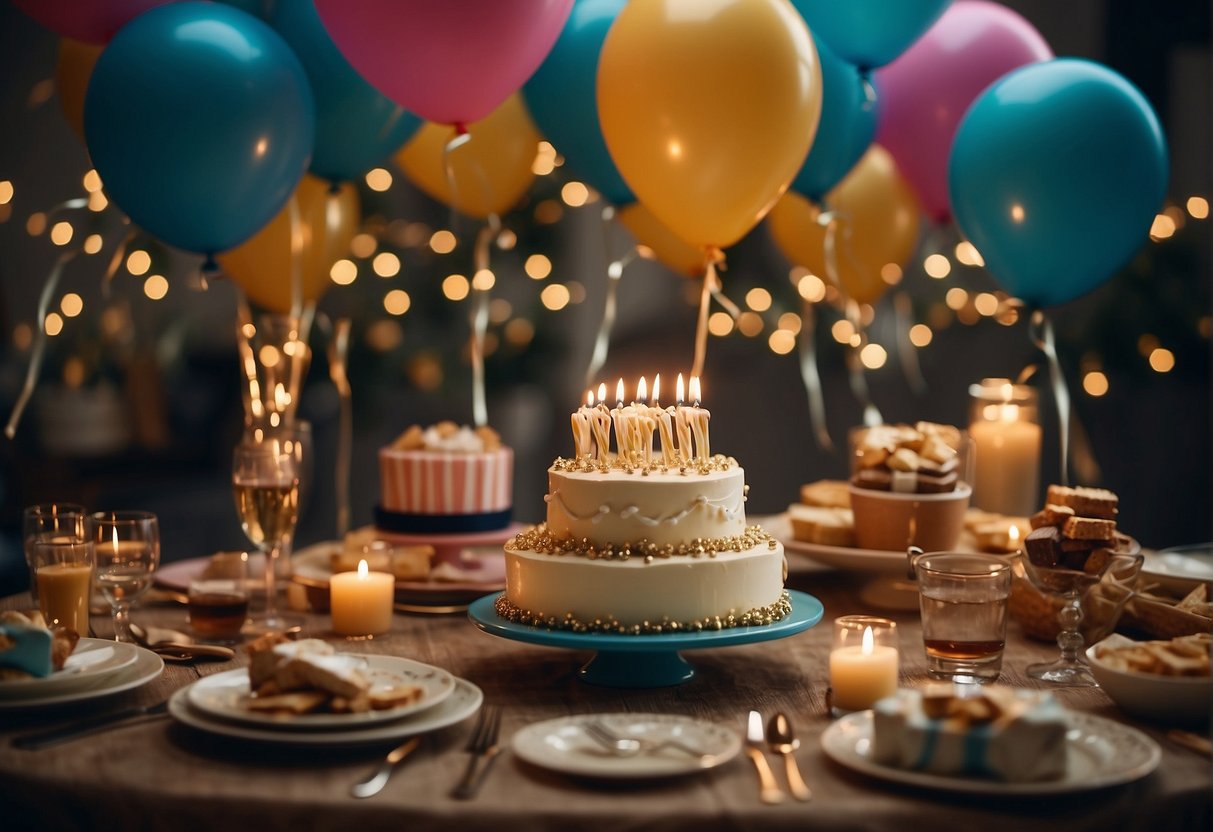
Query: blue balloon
{"type": "Point", "coordinates": [869, 33]}
{"type": "Point", "coordinates": [356, 126]}
{"type": "Point", "coordinates": [562, 97]}
{"type": "Point", "coordinates": [848, 123]}
{"type": "Point", "coordinates": [199, 119]}
{"type": "Point", "coordinates": [1055, 175]}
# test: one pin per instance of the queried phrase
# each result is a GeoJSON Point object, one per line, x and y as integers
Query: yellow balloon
{"type": "Point", "coordinates": [326, 221]}
{"type": "Point", "coordinates": [876, 223]}
{"type": "Point", "coordinates": [492, 170]}
{"type": "Point", "coordinates": [709, 109]}
{"type": "Point", "coordinates": [665, 245]}
{"type": "Point", "coordinates": [72, 71]}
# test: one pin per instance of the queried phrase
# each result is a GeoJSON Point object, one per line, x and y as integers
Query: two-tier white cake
{"type": "Point", "coordinates": [646, 538]}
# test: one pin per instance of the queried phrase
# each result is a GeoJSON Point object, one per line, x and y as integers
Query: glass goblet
{"type": "Point", "coordinates": [1091, 604]}
{"type": "Point", "coordinates": [127, 551]}
{"type": "Point", "coordinates": [265, 483]}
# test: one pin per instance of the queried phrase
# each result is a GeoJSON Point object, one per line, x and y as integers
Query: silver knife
{"type": "Point", "coordinates": [86, 726]}
{"type": "Point", "coordinates": [375, 783]}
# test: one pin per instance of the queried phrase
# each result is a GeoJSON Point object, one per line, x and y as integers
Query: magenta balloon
{"type": "Point", "coordinates": [449, 61]}
{"type": "Point", "coordinates": [91, 21]}
{"type": "Point", "coordinates": [925, 92]}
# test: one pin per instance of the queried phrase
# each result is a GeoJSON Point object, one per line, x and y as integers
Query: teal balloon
{"type": "Point", "coordinates": [869, 33]}
{"type": "Point", "coordinates": [848, 123]}
{"type": "Point", "coordinates": [199, 119]}
{"type": "Point", "coordinates": [563, 100]}
{"type": "Point", "coordinates": [1056, 173]}
{"type": "Point", "coordinates": [356, 126]}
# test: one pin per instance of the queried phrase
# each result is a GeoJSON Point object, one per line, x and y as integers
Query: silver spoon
{"type": "Point", "coordinates": [783, 741]}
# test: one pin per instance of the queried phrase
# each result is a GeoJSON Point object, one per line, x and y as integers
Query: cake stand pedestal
{"type": "Point", "coordinates": [651, 661]}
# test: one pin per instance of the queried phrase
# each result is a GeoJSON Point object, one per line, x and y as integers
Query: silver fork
{"type": "Point", "coordinates": [632, 746]}
{"type": "Point", "coordinates": [483, 748]}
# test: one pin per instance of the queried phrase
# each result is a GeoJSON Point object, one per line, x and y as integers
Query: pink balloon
{"type": "Point", "coordinates": [91, 21]}
{"type": "Point", "coordinates": [449, 61]}
{"type": "Point", "coordinates": [925, 92]}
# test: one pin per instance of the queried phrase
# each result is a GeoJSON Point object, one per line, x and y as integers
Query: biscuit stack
{"type": "Point", "coordinates": [922, 459]}
{"type": "Point", "coordinates": [1075, 530]}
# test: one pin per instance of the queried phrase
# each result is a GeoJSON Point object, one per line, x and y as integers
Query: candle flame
{"type": "Point", "coordinates": [363, 569]}
{"type": "Point", "coordinates": [115, 539]}
{"type": "Point", "coordinates": [1008, 392]}
{"type": "Point", "coordinates": [695, 390]}
{"type": "Point", "coordinates": [602, 392]}
{"type": "Point", "coordinates": [868, 641]}
{"type": "Point", "coordinates": [619, 392]}
{"type": "Point", "coordinates": [656, 390]}
{"type": "Point", "coordinates": [589, 398]}
{"type": "Point", "coordinates": [680, 390]}
{"type": "Point", "coordinates": [1013, 535]}
{"type": "Point", "coordinates": [642, 390]}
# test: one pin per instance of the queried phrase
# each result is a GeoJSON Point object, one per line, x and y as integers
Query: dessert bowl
{"type": "Point", "coordinates": [1173, 700]}
{"type": "Point", "coordinates": [892, 520]}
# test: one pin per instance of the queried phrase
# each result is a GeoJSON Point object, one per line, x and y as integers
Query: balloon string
{"type": "Point", "coordinates": [115, 261]}
{"type": "Point", "coordinates": [480, 318]}
{"type": "Point", "coordinates": [35, 361]}
{"type": "Point", "coordinates": [855, 370]}
{"type": "Point", "coordinates": [390, 124]}
{"type": "Point", "coordinates": [904, 313]}
{"type": "Point", "coordinates": [810, 375]}
{"type": "Point", "coordinates": [710, 284]}
{"type": "Point", "coordinates": [614, 270]}
{"type": "Point", "coordinates": [297, 246]}
{"type": "Point", "coordinates": [338, 355]}
{"type": "Point", "coordinates": [1041, 331]}
{"type": "Point", "coordinates": [250, 391]}
{"type": "Point", "coordinates": [869, 90]}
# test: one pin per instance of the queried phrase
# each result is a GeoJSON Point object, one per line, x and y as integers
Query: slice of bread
{"type": "Point", "coordinates": [822, 525]}
{"type": "Point", "coordinates": [827, 493]}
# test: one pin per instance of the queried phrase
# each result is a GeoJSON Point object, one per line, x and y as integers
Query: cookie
{"type": "Point", "coordinates": [1086, 502]}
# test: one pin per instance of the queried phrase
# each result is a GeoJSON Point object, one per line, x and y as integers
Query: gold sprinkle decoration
{"type": "Point", "coordinates": [538, 539]}
{"type": "Point", "coordinates": [588, 465]}
{"type": "Point", "coordinates": [758, 617]}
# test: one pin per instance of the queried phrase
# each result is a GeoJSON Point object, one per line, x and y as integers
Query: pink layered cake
{"type": "Point", "coordinates": [445, 479]}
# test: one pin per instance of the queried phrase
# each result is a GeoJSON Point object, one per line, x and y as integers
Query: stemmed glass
{"type": "Point", "coordinates": [266, 468]}
{"type": "Point", "coordinates": [1091, 606]}
{"type": "Point", "coordinates": [127, 550]}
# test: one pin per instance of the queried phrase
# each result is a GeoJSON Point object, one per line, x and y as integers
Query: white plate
{"type": "Point", "coordinates": [481, 569]}
{"type": "Point", "coordinates": [146, 667]}
{"type": "Point", "coordinates": [1099, 753]}
{"type": "Point", "coordinates": [1179, 569]}
{"type": "Point", "coordinates": [463, 702]}
{"type": "Point", "coordinates": [563, 745]}
{"type": "Point", "coordinates": [92, 659]}
{"type": "Point", "coordinates": [225, 695]}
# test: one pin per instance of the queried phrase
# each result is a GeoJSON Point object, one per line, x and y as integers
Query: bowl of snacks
{"type": "Point", "coordinates": [1165, 681]}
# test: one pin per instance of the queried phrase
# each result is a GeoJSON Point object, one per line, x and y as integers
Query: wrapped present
{"type": "Point", "coordinates": [1000, 732]}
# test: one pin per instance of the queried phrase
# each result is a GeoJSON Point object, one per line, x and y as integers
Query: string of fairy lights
{"type": "Point", "coordinates": [377, 251]}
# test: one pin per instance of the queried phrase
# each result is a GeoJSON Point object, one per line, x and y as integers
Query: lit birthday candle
{"type": "Point", "coordinates": [600, 425]}
{"type": "Point", "coordinates": [643, 424]}
{"type": "Point", "coordinates": [622, 415]}
{"type": "Point", "coordinates": [682, 419]}
{"type": "Point", "coordinates": [699, 418]}
{"type": "Point", "coordinates": [582, 442]}
{"type": "Point", "coordinates": [665, 425]}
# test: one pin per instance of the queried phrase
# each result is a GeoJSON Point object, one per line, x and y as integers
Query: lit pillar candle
{"type": "Point", "coordinates": [863, 662]}
{"type": "Point", "coordinates": [682, 423]}
{"type": "Point", "coordinates": [361, 602]}
{"type": "Point", "coordinates": [1006, 443]}
{"type": "Point", "coordinates": [582, 442]}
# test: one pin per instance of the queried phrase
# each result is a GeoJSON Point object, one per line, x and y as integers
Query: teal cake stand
{"type": "Point", "coordinates": [645, 661]}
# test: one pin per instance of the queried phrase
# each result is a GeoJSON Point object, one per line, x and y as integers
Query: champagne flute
{"type": "Point", "coordinates": [127, 551]}
{"type": "Point", "coordinates": [265, 482]}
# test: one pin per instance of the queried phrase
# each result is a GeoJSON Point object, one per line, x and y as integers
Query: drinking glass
{"type": "Point", "coordinates": [59, 552]}
{"type": "Point", "coordinates": [963, 600]}
{"type": "Point", "coordinates": [265, 481]}
{"type": "Point", "coordinates": [127, 549]}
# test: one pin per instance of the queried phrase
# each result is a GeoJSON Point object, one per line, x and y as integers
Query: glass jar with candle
{"type": "Point", "coordinates": [1005, 432]}
{"type": "Point", "coordinates": [864, 662]}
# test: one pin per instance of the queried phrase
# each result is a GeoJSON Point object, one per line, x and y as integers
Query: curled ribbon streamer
{"type": "Point", "coordinates": [711, 284]}
{"type": "Point", "coordinates": [903, 312]}
{"type": "Point", "coordinates": [602, 341]}
{"type": "Point", "coordinates": [807, 346]}
{"type": "Point", "coordinates": [480, 319]}
{"type": "Point", "coordinates": [297, 245]}
{"type": "Point", "coordinates": [338, 355]}
{"type": "Point", "coordinates": [116, 260]}
{"type": "Point", "coordinates": [1041, 331]}
{"type": "Point", "coordinates": [855, 371]}
{"type": "Point", "coordinates": [250, 392]}
{"type": "Point", "coordinates": [35, 360]}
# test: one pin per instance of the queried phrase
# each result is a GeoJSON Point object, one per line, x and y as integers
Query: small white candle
{"type": "Point", "coordinates": [699, 418]}
{"type": "Point", "coordinates": [600, 425]}
{"type": "Point", "coordinates": [361, 602]}
{"type": "Point", "coordinates": [1006, 447]}
{"type": "Point", "coordinates": [862, 674]}
{"type": "Point", "coordinates": [582, 441]}
{"type": "Point", "coordinates": [682, 419]}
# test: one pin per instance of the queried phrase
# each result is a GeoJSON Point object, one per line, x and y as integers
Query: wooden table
{"type": "Point", "coordinates": [161, 775]}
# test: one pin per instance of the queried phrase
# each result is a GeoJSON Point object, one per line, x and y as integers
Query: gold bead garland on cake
{"type": "Point", "coordinates": [539, 539]}
{"type": "Point", "coordinates": [758, 617]}
{"type": "Point", "coordinates": [588, 465]}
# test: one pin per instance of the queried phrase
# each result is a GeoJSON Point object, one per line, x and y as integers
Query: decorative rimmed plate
{"type": "Point", "coordinates": [226, 695]}
{"type": "Point", "coordinates": [464, 701]}
{"type": "Point", "coordinates": [1180, 568]}
{"type": "Point", "coordinates": [563, 745]}
{"type": "Point", "coordinates": [146, 667]}
{"type": "Point", "coordinates": [92, 659]}
{"type": "Point", "coordinates": [1099, 753]}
